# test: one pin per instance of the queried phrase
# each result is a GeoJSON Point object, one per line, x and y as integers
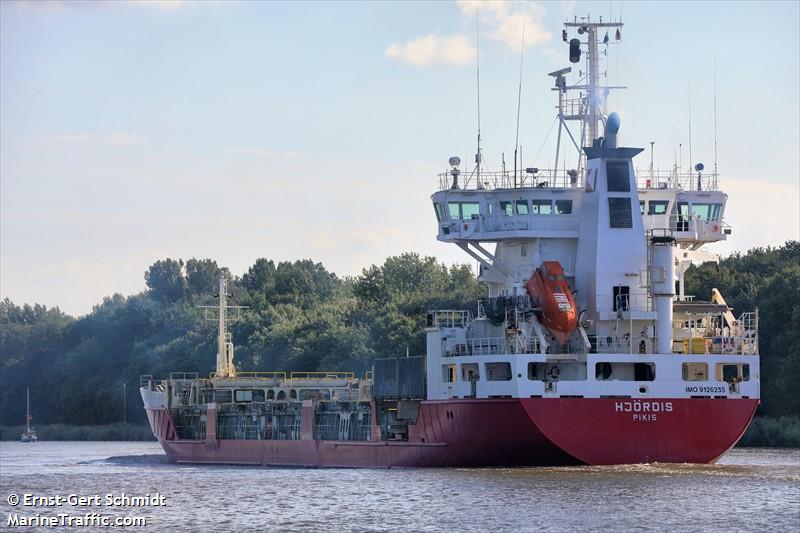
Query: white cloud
{"type": "Point", "coordinates": [504, 21]}
{"type": "Point", "coordinates": [500, 21]}
{"type": "Point", "coordinates": [75, 137]}
{"type": "Point", "coordinates": [123, 138]}
{"type": "Point", "coordinates": [433, 49]}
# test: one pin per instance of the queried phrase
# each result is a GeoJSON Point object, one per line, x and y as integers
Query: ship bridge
{"type": "Point", "coordinates": [498, 206]}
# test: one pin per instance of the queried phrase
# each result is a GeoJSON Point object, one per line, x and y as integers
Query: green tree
{"type": "Point", "coordinates": [202, 276]}
{"type": "Point", "coordinates": [165, 280]}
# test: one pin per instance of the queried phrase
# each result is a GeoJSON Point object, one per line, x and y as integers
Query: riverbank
{"type": "Point", "coordinates": [783, 432]}
{"type": "Point", "coordinates": [64, 432]}
{"type": "Point", "coordinates": [779, 432]}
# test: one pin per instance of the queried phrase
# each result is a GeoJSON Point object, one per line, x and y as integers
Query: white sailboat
{"type": "Point", "coordinates": [29, 435]}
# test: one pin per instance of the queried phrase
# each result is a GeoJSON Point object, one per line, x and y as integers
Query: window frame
{"type": "Point", "coordinates": [562, 201]}
{"type": "Point", "coordinates": [490, 376]}
{"type": "Point", "coordinates": [539, 203]}
{"type": "Point", "coordinates": [657, 203]}
{"type": "Point", "coordinates": [472, 215]}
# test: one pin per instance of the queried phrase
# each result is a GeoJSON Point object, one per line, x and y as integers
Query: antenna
{"type": "Point", "coordinates": [690, 127]}
{"type": "Point", "coordinates": [519, 101]}
{"type": "Point", "coordinates": [478, 75]}
{"type": "Point", "coordinates": [715, 118]}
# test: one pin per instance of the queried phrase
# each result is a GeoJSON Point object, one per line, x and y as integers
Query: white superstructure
{"type": "Point", "coordinates": [624, 239]}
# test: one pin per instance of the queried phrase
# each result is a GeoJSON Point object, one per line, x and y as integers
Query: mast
{"type": "Point", "coordinates": [592, 66]}
{"type": "Point", "coordinates": [478, 83]}
{"type": "Point", "coordinates": [590, 107]}
{"type": "Point", "coordinates": [225, 366]}
{"type": "Point", "coordinates": [27, 410]}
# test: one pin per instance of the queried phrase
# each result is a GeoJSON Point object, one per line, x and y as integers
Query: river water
{"type": "Point", "coordinates": [748, 490]}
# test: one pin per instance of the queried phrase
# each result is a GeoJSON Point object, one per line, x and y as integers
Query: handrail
{"type": "Point", "coordinates": [322, 376]}
{"type": "Point", "coordinates": [186, 376]}
{"type": "Point", "coordinates": [542, 178]}
{"type": "Point", "coordinates": [447, 318]}
{"type": "Point", "coordinates": [548, 178]}
{"type": "Point", "coordinates": [251, 375]}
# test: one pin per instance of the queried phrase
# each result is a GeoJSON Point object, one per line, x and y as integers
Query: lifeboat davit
{"type": "Point", "coordinates": [550, 292]}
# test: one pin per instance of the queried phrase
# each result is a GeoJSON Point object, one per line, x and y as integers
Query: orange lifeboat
{"type": "Point", "coordinates": [550, 292]}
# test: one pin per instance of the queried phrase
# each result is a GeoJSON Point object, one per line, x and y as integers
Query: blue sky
{"type": "Point", "coordinates": [133, 131]}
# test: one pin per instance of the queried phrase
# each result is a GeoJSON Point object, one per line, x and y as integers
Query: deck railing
{"type": "Point", "coordinates": [445, 318]}
{"type": "Point", "coordinates": [549, 178]}
{"type": "Point", "coordinates": [322, 376]}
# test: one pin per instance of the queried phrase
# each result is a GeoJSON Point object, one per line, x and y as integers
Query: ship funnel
{"type": "Point", "coordinates": [612, 128]}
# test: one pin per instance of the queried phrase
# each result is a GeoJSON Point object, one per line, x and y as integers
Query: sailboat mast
{"type": "Point", "coordinates": [28, 409]}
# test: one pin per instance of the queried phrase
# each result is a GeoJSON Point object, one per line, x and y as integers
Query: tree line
{"type": "Point", "coordinates": [300, 317]}
{"type": "Point", "coordinates": [303, 317]}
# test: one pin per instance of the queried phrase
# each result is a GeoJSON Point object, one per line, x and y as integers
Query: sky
{"type": "Point", "coordinates": [135, 131]}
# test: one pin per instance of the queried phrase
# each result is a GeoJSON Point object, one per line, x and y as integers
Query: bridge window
{"type": "Point", "coordinates": [455, 210]}
{"type": "Point", "coordinates": [541, 207]}
{"type": "Point", "coordinates": [695, 371]}
{"type": "Point", "coordinates": [507, 208]}
{"type": "Point", "coordinates": [498, 371]}
{"type": "Point", "coordinates": [563, 207]}
{"type": "Point", "coordinates": [522, 207]}
{"type": "Point", "coordinates": [470, 210]}
{"type": "Point", "coordinates": [463, 210]}
{"type": "Point", "coordinates": [706, 211]}
{"type": "Point", "coordinates": [439, 212]}
{"type": "Point", "coordinates": [657, 207]}
{"type": "Point", "coordinates": [617, 174]}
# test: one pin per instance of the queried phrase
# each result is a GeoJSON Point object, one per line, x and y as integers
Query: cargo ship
{"type": "Point", "coordinates": [587, 350]}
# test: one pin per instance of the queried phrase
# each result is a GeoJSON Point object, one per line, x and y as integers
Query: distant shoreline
{"type": "Point", "coordinates": [764, 432]}
{"type": "Point", "coordinates": [64, 432]}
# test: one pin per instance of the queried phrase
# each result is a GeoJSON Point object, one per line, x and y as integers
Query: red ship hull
{"type": "Point", "coordinates": [504, 432]}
